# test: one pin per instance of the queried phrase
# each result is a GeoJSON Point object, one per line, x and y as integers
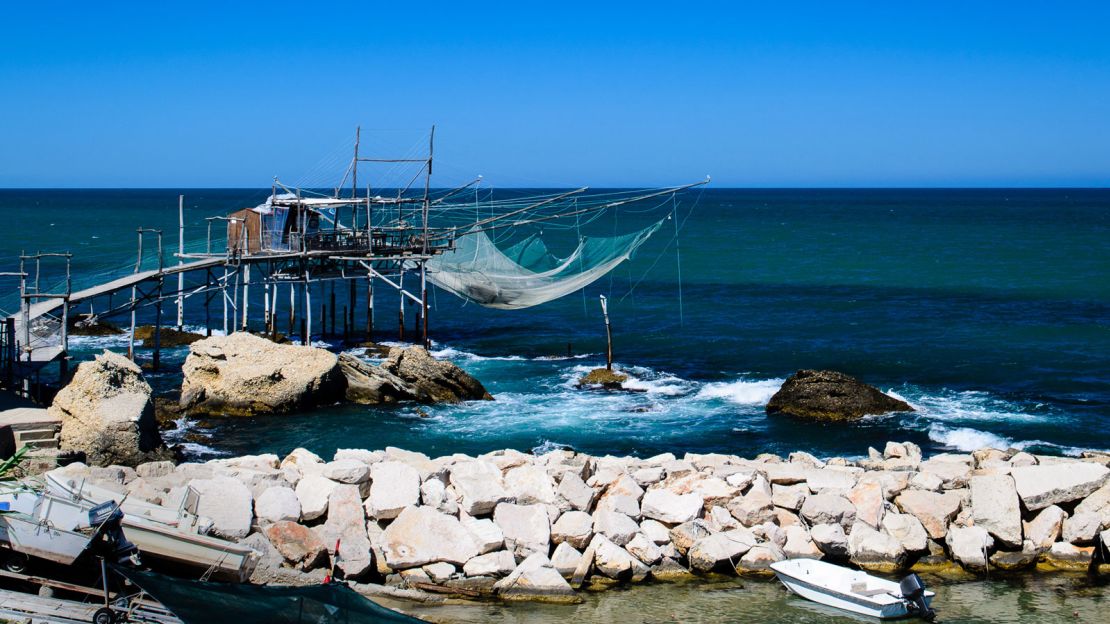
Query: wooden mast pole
{"type": "Point", "coordinates": [608, 334]}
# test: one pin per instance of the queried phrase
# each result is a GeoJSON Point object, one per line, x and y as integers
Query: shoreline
{"type": "Point", "coordinates": [518, 527]}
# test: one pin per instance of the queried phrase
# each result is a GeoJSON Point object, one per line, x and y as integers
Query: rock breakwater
{"type": "Point", "coordinates": [540, 527]}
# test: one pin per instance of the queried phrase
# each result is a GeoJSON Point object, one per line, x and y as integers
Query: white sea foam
{"type": "Point", "coordinates": [967, 439]}
{"type": "Point", "coordinates": [741, 392]}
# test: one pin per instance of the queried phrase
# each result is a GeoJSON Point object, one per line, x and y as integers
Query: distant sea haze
{"type": "Point", "coordinates": [987, 310]}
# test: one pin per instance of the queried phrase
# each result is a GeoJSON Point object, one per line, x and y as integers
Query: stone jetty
{"type": "Point", "coordinates": [518, 526]}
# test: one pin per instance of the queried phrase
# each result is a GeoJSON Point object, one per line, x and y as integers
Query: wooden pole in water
{"type": "Point", "coordinates": [158, 308]}
{"type": "Point", "coordinates": [424, 303]}
{"type": "Point", "coordinates": [223, 295]}
{"type": "Point", "coordinates": [306, 322]}
{"type": "Point", "coordinates": [207, 302]}
{"type": "Point", "coordinates": [369, 307]}
{"type": "Point", "coordinates": [180, 261]}
{"type": "Point", "coordinates": [401, 309]}
{"type": "Point", "coordinates": [608, 334]}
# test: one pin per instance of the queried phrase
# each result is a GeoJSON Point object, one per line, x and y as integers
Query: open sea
{"type": "Point", "coordinates": [987, 310]}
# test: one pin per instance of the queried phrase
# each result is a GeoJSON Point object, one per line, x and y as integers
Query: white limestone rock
{"type": "Point", "coordinates": [394, 486]}
{"type": "Point", "coordinates": [665, 506]}
{"type": "Point", "coordinates": [615, 562]}
{"type": "Point", "coordinates": [487, 535]}
{"type": "Point", "coordinates": [228, 503]}
{"type": "Point", "coordinates": [615, 526]}
{"type": "Point", "coordinates": [995, 507]}
{"type": "Point", "coordinates": [831, 539]}
{"type": "Point", "coordinates": [827, 509]}
{"type": "Point", "coordinates": [346, 471]}
{"type": "Point", "coordinates": [479, 485]}
{"type": "Point", "coordinates": [1043, 485]}
{"type": "Point", "coordinates": [573, 527]}
{"type": "Point", "coordinates": [1081, 528]}
{"type": "Point", "coordinates": [495, 564]}
{"type": "Point", "coordinates": [907, 529]}
{"type": "Point", "coordinates": [875, 550]}
{"type": "Point", "coordinates": [576, 493]}
{"type": "Point", "coordinates": [566, 559]}
{"type": "Point", "coordinates": [799, 545]}
{"type": "Point", "coordinates": [720, 548]}
{"type": "Point", "coordinates": [422, 535]}
{"type": "Point", "coordinates": [969, 546]}
{"type": "Point", "coordinates": [347, 523]}
{"type": "Point", "coordinates": [527, 528]}
{"type": "Point", "coordinates": [656, 531]}
{"type": "Point", "coordinates": [789, 496]}
{"type": "Point", "coordinates": [530, 485]}
{"type": "Point", "coordinates": [1043, 530]}
{"type": "Point", "coordinates": [644, 549]}
{"type": "Point", "coordinates": [277, 504]}
{"type": "Point", "coordinates": [934, 510]}
{"type": "Point", "coordinates": [313, 491]}
{"type": "Point", "coordinates": [535, 579]}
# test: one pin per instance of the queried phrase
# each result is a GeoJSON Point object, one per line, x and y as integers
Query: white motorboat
{"type": "Point", "coordinates": [163, 532]}
{"type": "Point", "coordinates": [854, 590]}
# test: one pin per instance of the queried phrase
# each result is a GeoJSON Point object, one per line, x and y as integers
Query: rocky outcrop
{"type": "Point", "coordinates": [243, 375]}
{"type": "Point", "coordinates": [107, 413]}
{"type": "Point", "coordinates": [831, 396]}
{"type": "Point", "coordinates": [167, 337]}
{"type": "Point", "coordinates": [1043, 485]}
{"type": "Point", "coordinates": [409, 374]}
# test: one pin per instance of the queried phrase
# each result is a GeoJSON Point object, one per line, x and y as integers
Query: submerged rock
{"type": "Point", "coordinates": [831, 396]}
{"type": "Point", "coordinates": [107, 413]}
{"type": "Point", "coordinates": [244, 375]}
{"type": "Point", "coordinates": [168, 337]}
{"type": "Point", "coordinates": [603, 377]}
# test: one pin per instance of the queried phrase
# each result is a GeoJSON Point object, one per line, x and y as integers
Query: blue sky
{"type": "Point", "coordinates": [757, 94]}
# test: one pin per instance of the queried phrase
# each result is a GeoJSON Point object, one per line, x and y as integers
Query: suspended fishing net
{"type": "Point", "coordinates": [527, 274]}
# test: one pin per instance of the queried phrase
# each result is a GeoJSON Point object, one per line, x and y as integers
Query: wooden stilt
{"type": "Point", "coordinates": [207, 302]}
{"type": "Point", "coordinates": [401, 308]}
{"type": "Point", "coordinates": [306, 324]}
{"type": "Point", "coordinates": [131, 333]}
{"type": "Point", "coordinates": [292, 309]}
{"type": "Point", "coordinates": [370, 307]}
{"type": "Point", "coordinates": [157, 359]}
{"type": "Point", "coordinates": [223, 296]}
{"type": "Point", "coordinates": [352, 302]}
{"type": "Point", "coordinates": [266, 307]}
{"type": "Point", "coordinates": [424, 305]}
{"type": "Point", "coordinates": [246, 293]}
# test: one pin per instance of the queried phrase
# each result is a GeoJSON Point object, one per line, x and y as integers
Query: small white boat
{"type": "Point", "coordinates": [855, 591]}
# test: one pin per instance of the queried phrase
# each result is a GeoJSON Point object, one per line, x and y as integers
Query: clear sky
{"type": "Point", "coordinates": [196, 94]}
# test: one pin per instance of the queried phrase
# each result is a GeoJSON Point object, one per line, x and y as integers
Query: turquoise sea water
{"type": "Point", "coordinates": [988, 310]}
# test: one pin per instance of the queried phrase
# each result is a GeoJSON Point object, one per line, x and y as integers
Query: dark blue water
{"type": "Point", "coordinates": [988, 310]}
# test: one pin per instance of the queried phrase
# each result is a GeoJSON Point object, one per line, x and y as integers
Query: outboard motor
{"type": "Point", "coordinates": [913, 592]}
{"type": "Point", "coordinates": [107, 518]}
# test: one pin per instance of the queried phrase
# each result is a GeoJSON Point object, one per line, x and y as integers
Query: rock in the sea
{"type": "Point", "coordinates": [1045, 527]}
{"type": "Point", "coordinates": [167, 337]}
{"type": "Point", "coordinates": [421, 535]}
{"type": "Point", "coordinates": [829, 509]}
{"type": "Point", "coordinates": [1081, 528]}
{"type": "Point", "coordinates": [829, 395]}
{"type": "Point", "coordinates": [429, 380]}
{"type": "Point", "coordinates": [614, 561]}
{"type": "Point", "coordinates": [799, 545]}
{"type": "Point", "coordinates": [604, 378]}
{"type": "Point", "coordinates": [107, 413]}
{"type": "Point", "coordinates": [243, 375]}
{"type": "Point", "coordinates": [906, 529]}
{"type": "Point", "coordinates": [536, 579]}
{"type": "Point", "coordinates": [995, 507]}
{"type": "Point", "coordinates": [1043, 485]}
{"type": "Point", "coordinates": [313, 492]}
{"type": "Point", "coordinates": [479, 485]}
{"type": "Point", "coordinates": [573, 527]}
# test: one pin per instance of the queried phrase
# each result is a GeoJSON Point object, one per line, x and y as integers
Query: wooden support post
{"type": "Point", "coordinates": [266, 307]}
{"type": "Point", "coordinates": [246, 290]}
{"type": "Point", "coordinates": [223, 296]}
{"type": "Point", "coordinates": [370, 307]}
{"type": "Point", "coordinates": [306, 323]}
{"type": "Point", "coordinates": [180, 261]}
{"type": "Point", "coordinates": [158, 326]}
{"type": "Point", "coordinates": [424, 304]}
{"type": "Point", "coordinates": [608, 334]}
{"type": "Point", "coordinates": [131, 334]}
{"type": "Point", "coordinates": [292, 309]}
{"type": "Point", "coordinates": [401, 309]}
{"type": "Point", "coordinates": [207, 302]}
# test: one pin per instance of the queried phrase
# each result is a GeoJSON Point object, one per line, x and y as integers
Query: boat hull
{"type": "Point", "coordinates": [822, 586]}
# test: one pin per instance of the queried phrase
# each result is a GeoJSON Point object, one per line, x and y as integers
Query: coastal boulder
{"type": "Point", "coordinates": [831, 396]}
{"type": "Point", "coordinates": [107, 413]}
{"type": "Point", "coordinates": [1043, 485]}
{"type": "Point", "coordinates": [527, 528]}
{"type": "Point", "coordinates": [969, 546]}
{"type": "Point", "coordinates": [228, 503]}
{"type": "Point", "coordinates": [422, 535]}
{"type": "Point", "coordinates": [298, 544]}
{"type": "Point", "coordinates": [429, 380]}
{"type": "Point", "coordinates": [243, 375]}
{"type": "Point", "coordinates": [995, 507]}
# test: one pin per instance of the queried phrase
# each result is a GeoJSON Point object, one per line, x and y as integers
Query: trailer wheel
{"type": "Point", "coordinates": [104, 615]}
{"type": "Point", "coordinates": [16, 562]}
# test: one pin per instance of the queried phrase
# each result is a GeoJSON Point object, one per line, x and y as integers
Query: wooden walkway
{"type": "Point", "coordinates": [20, 606]}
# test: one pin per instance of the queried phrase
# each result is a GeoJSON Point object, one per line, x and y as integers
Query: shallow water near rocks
{"type": "Point", "coordinates": [1027, 598]}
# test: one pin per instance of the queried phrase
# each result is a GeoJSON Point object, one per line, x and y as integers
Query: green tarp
{"type": "Point", "coordinates": [199, 602]}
